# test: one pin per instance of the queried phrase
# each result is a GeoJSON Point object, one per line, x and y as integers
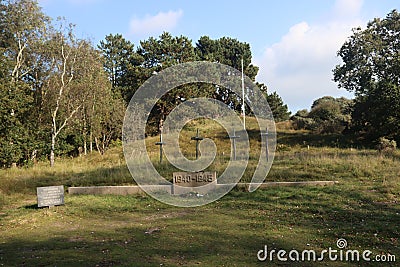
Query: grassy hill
{"type": "Point", "coordinates": [110, 230]}
{"type": "Point", "coordinates": [300, 155]}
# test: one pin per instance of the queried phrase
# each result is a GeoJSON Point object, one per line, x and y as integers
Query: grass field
{"type": "Point", "coordinates": [111, 230]}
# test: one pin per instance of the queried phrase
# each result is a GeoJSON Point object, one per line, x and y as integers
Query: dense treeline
{"type": "Point", "coordinates": [371, 69]}
{"type": "Point", "coordinates": [55, 96]}
{"type": "Point", "coordinates": [61, 95]}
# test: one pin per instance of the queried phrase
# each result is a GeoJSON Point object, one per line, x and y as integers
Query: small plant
{"type": "Point", "coordinates": [283, 147]}
{"type": "Point", "coordinates": [386, 145]}
{"type": "Point", "coordinates": [116, 143]}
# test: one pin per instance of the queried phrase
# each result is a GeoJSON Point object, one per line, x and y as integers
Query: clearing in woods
{"type": "Point", "coordinates": [139, 231]}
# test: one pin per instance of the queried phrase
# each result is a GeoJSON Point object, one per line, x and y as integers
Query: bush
{"type": "Point", "coordinates": [328, 115]}
{"type": "Point", "coordinates": [10, 153]}
{"type": "Point", "coordinates": [303, 123]}
{"type": "Point", "coordinates": [386, 145]}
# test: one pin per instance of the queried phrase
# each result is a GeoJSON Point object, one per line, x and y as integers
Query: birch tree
{"type": "Point", "coordinates": [101, 116]}
{"type": "Point", "coordinates": [62, 96]}
{"type": "Point", "coordinates": [22, 27]}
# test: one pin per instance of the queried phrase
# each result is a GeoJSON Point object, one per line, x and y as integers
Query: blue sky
{"type": "Point", "coordinates": [293, 42]}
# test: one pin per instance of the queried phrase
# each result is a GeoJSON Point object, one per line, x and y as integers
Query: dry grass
{"type": "Point", "coordinates": [110, 230]}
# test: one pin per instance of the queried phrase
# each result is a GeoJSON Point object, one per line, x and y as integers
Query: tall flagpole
{"type": "Point", "coordinates": [243, 107]}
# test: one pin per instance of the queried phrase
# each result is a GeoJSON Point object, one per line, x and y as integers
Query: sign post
{"type": "Point", "coordinates": [50, 196]}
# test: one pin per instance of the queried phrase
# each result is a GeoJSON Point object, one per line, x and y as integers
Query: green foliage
{"type": "Point", "coordinates": [279, 110]}
{"type": "Point", "coordinates": [122, 64]}
{"type": "Point", "coordinates": [302, 113]}
{"type": "Point", "coordinates": [231, 52]}
{"type": "Point", "coordinates": [227, 51]}
{"type": "Point", "coordinates": [129, 69]}
{"type": "Point", "coordinates": [166, 51]}
{"type": "Point", "coordinates": [331, 115]}
{"type": "Point", "coordinates": [55, 95]}
{"type": "Point", "coordinates": [158, 54]}
{"type": "Point", "coordinates": [370, 70]}
{"type": "Point", "coordinates": [327, 115]}
{"type": "Point", "coordinates": [300, 122]}
{"type": "Point", "coordinates": [62, 97]}
{"type": "Point", "coordinates": [22, 25]}
{"type": "Point", "coordinates": [117, 52]}
{"type": "Point", "coordinates": [11, 128]}
{"type": "Point", "coordinates": [386, 145]}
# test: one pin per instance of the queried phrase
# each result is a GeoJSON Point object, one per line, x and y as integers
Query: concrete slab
{"type": "Point", "coordinates": [117, 190]}
{"type": "Point", "coordinates": [136, 190]}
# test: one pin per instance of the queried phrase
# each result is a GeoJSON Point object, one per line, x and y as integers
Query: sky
{"type": "Point", "coordinates": [293, 42]}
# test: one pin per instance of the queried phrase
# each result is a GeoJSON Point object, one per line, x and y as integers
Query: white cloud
{"type": "Point", "coordinates": [299, 67]}
{"type": "Point", "coordinates": [163, 21]}
{"type": "Point", "coordinates": [348, 8]}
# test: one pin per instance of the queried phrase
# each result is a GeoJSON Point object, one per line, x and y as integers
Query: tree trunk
{"type": "Point", "coordinates": [84, 133]}
{"type": "Point", "coordinates": [84, 146]}
{"type": "Point", "coordinates": [84, 142]}
{"type": "Point", "coordinates": [98, 145]}
{"type": "Point", "coordinates": [91, 141]}
{"type": "Point", "coordinates": [104, 144]}
{"type": "Point", "coordinates": [53, 144]}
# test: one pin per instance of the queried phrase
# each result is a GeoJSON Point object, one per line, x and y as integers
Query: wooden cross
{"type": "Point", "coordinates": [234, 137]}
{"type": "Point", "coordinates": [161, 143]}
{"type": "Point", "coordinates": [197, 138]}
{"type": "Point", "coordinates": [266, 142]}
